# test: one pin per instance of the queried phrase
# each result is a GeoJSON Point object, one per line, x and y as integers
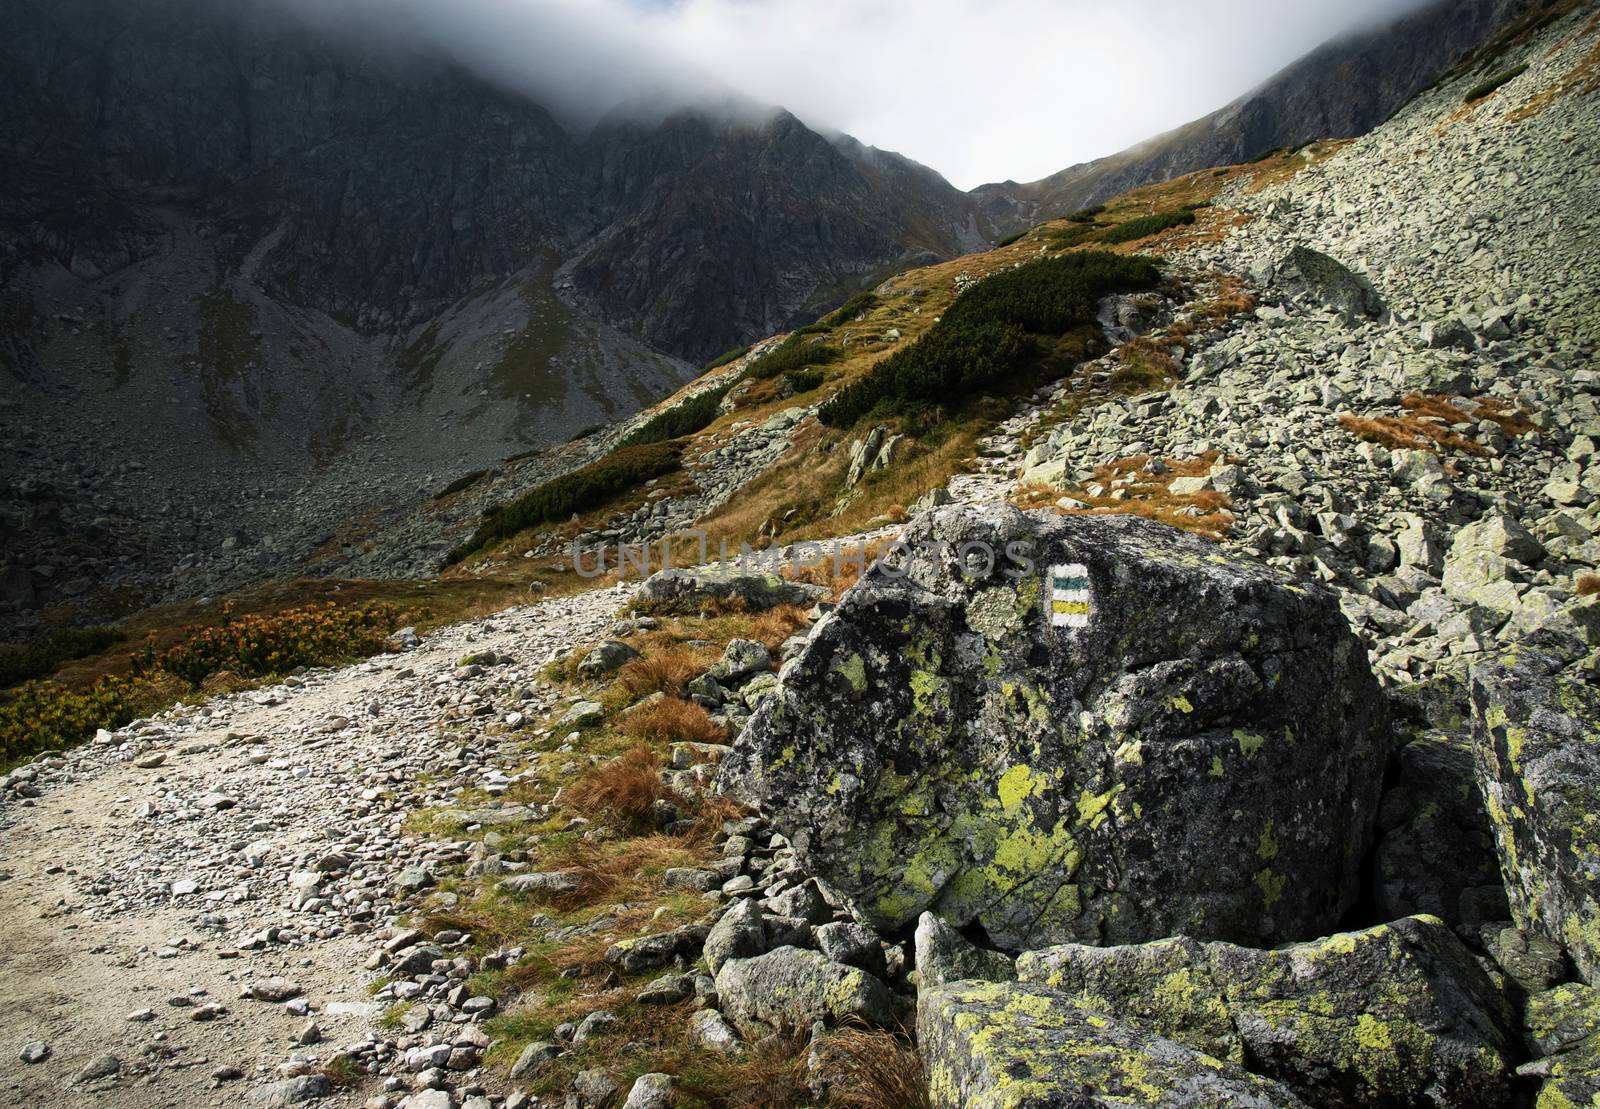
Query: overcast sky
{"type": "Point", "coordinates": [981, 90]}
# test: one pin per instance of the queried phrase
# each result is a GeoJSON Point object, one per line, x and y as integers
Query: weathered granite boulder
{"type": "Point", "coordinates": [945, 955]}
{"type": "Point", "coordinates": [1536, 737]}
{"type": "Point", "coordinates": [1397, 1015]}
{"type": "Point", "coordinates": [1014, 1045]}
{"type": "Point", "coordinates": [1328, 282]}
{"type": "Point", "coordinates": [690, 590]}
{"type": "Point", "coordinates": [1202, 756]}
{"type": "Point", "coordinates": [1564, 1026]}
{"type": "Point", "coordinates": [793, 988]}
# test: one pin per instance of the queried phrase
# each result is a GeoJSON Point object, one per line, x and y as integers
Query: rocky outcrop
{"type": "Point", "coordinates": [1200, 753]}
{"type": "Point", "coordinates": [990, 1045]}
{"type": "Point", "coordinates": [1538, 758]}
{"type": "Point", "coordinates": [1395, 1015]}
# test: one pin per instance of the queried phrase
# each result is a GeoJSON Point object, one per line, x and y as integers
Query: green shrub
{"type": "Point", "coordinates": [1086, 215]}
{"type": "Point", "coordinates": [803, 381]}
{"type": "Point", "coordinates": [984, 336]}
{"type": "Point", "coordinates": [26, 661]}
{"type": "Point", "coordinates": [850, 309]}
{"type": "Point", "coordinates": [1064, 238]}
{"type": "Point", "coordinates": [1478, 92]}
{"type": "Point", "coordinates": [794, 353]}
{"type": "Point", "coordinates": [684, 418]}
{"type": "Point", "coordinates": [593, 485]}
{"type": "Point", "coordinates": [722, 360]}
{"type": "Point", "coordinates": [1145, 226]}
{"type": "Point", "coordinates": [259, 646]}
{"type": "Point", "coordinates": [1009, 239]}
{"type": "Point", "coordinates": [43, 716]}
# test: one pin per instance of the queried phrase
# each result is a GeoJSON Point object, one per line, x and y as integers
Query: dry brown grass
{"type": "Point", "coordinates": [1408, 433]}
{"type": "Point", "coordinates": [1145, 366]}
{"type": "Point", "coordinates": [667, 671]}
{"type": "Point", "coordinates": [838, 574]}
{"type": "Point", "coordinates": [777, 624]}
{"type": "Point", "coordinates": [869, 1068]}
{"type": "Point", "coordinates": [1131, 490]}
{"type": "Point", "coordinates": [1429, 422]}
{"type": "Point", "coordinates": [1231, 297]}
{"type": "Point", "coordinates": [769, 1074]}
{"type": "Point", "coordinates": [673, 720]}
{"type": "Point", "coordinates": [1581, 80]}
{"type": "Point", "coordinates": [620, 791]}
{"type": "Point", "coordinates": [1588, 585]}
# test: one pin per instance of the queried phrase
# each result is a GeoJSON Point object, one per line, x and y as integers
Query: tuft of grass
{"type": "Point", "coordinates": [1429, 421]}
{"type": "Point", "coordinates": [667, 671]}
{"type": "Point", "coordinates": [673, 720]}
{"type": "Point", "coordinates": [1145, 226]}
{"type": "Point", "coordinates": [769, 1074]}
{"type": "Point", "coordinates": [1589, 585]}
{"type": "Point", "coordinates": [621, 791]}
{"type": "Point", "coordinates": [870, 1068]}
{"type": "Point", "coordinates": [1485, 88]}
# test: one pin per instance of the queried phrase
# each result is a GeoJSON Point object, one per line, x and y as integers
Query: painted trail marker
{"type": "Point", "coordinates": [1069, 596]}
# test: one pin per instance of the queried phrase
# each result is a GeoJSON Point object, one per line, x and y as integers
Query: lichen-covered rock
{"type": "Point", "coordinates": [945, 955]}
{"type": "Point", "coordinates": [1330, 283]}
{"type": "Point", "coordinates": [690, 590]}
{"type": "Point", "coordinates": [1396, 1015]}
{"type": "Point", "coordinates": [1557, 1019]}
{"type": "Point", "coordinates": [1203, 755]}
{"type": "Point", "coordinates": [1435, 852]}
{"type": "Point", "coordinates": [793, 988]}
{"type": "Point", "coordinates": [994, 1045]}
{"type": "Point", "coordinates": [1536, 737]}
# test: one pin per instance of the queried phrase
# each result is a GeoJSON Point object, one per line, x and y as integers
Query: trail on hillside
{"type": "Point", "coordinates": [154, 881]}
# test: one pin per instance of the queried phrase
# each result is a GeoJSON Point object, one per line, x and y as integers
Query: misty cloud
{"type": "Point", "coordinates": [981, 90]}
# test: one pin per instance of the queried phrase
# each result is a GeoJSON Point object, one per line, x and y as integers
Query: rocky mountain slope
{"type": "Point", "coordinates": [1047, 805]}
{"type": "Point", "coordinates": [1342, 89]}
{"type": "Point", "coordinates": [261, 271]}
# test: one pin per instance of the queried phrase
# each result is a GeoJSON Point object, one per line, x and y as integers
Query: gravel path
{"type": "Point", "coordinates": [160, 874]}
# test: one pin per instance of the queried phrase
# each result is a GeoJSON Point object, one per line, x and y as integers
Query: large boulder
{"type": "Point", "coordinates": [1536, 738]}
{"type": "Point", "coordinates": [1330, 283]}
{"type": "Point", "coordinates": [1165, 740]}
{"type": "Point", "coordinates": [1011, 1045]}
{"type": "Point", "coordinates": [1393, 1016]}
{"type": "Point", "coordinates": [729, 583]}
{"type": "Point", "coordinates": [793, 988]}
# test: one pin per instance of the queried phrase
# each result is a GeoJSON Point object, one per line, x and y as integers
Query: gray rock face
{"type": "Point", "coordinates": [606, 657]}
{"type": "Point", "coordinates": [689, 590]}
{"type": "Point", "coordinates": [1397, 1015]}
{"type": "Point", "coordinates": [990, 1045]}
{"type": "Point", "coordinates": [794, 988]}
{"type": "Point", "coordinates": [290, 1091]}
{"type": "Point", "coordinates": [1538, 757]}
{"type": "Point", "coordinates": [945, 955]}
{"type": "Point", "coordinates": [1202, 757]}
{"type": "Point", "coordinates": [1330, 283]}
{"type": "Point", "coordinates": [1435, 851]}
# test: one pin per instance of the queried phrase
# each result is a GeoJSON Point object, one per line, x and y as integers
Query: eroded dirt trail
{"type": "Point", "coordinates": [162, 873]}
